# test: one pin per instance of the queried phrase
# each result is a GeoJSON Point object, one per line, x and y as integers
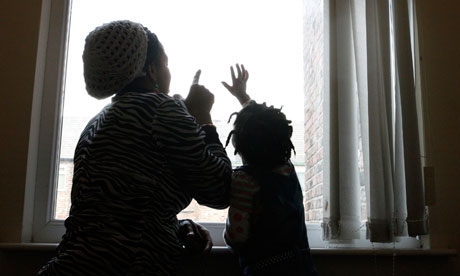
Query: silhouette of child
{"type": "Point", "coordinates": [266, 221]}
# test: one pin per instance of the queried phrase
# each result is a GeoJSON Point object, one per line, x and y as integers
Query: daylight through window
{"type": "Point", "coordinates": [265, 36]}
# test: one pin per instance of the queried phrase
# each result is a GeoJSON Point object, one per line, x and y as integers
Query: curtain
{"type": "Point", "coordinates": [405, 93]}
{"type": "Point", "coordinates": [370, 122]}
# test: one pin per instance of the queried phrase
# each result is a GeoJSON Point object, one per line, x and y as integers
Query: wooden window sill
{"type": "Point", "coordinates": [221, 250]}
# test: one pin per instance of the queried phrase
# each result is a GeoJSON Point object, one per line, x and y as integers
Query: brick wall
{"type": "Point", "coordinates": [63, 196]}
{"type": "Point", "coordinates": [313, 88]}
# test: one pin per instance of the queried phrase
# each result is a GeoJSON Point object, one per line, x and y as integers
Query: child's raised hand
{"type": "Point", "coordinates": [238, 89]}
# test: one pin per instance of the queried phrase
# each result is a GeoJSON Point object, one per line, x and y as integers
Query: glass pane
{"type": "Point", "coordinates": [265, 36]}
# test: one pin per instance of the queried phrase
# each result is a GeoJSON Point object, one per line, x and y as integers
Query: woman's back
{"type": "Point", "coordinates": [138, 162]}
{"type": "Point", "coordinates": [128, 187]}
{"type": "Point", "coordinates": [121, 152]}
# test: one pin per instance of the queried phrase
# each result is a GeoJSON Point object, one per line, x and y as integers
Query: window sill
{"type": "Point", "coordinates": [384, 252]}
{"type": "Point", "coordinates": [222, 250]}
{"type": "Point", "coordinates": [28, 246]}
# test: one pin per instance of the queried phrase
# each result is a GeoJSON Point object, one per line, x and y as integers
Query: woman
{"type": "Point", "coordinates": [138, 162]}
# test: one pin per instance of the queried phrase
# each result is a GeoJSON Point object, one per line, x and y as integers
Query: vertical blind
{"type": "Point", "coordinates": [369, 104]}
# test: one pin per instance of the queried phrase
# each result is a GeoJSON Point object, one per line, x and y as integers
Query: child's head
{"type": "Point", "coordinates": [262, 136]}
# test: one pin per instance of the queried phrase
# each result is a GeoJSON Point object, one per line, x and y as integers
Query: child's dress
{"type": "Point", "coordinates": [266, 222]}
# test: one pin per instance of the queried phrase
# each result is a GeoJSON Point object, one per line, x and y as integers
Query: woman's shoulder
{"type": "Point", "coordinates": [157, 98]}
{"type": "Point", "coordinates": [153, 101]}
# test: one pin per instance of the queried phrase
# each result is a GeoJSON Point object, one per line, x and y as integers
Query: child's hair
{"type": "Point", "coordinates": [262, 135]}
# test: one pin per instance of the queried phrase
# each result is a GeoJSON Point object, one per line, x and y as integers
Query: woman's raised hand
{"type": "Point", "coordinates": [199, 101]}
{"type": "Point", "coordinates": [238, 88]}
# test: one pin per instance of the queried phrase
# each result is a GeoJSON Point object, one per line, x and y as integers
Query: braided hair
{"type": "Point", "coordinates": [262, 136]}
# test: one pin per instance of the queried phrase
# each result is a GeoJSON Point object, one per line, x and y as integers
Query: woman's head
{"type": "Point", "coordinates": [120, 52]}
{"type": "Point", "coordinates": [156, 64]}
{"type": "Point", "coordinates": [262, 136]}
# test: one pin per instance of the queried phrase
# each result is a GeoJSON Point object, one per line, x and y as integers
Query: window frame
{"type": "Point", "coordinates": [44, 143]}
{"type": "Point", "coordinates": [39, 225]}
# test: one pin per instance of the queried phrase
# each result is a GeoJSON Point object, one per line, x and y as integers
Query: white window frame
{"type": "Point", "coordinates": [39, 224]}
{"type": "Point", "coordinates": [314, 232]}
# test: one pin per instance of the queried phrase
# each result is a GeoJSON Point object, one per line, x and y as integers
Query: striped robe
{"type": "Point", "coordinates": [138, 163]}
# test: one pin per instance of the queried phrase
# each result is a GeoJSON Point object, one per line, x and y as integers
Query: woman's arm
{"type": "Point", "coordinates": [194, 153]}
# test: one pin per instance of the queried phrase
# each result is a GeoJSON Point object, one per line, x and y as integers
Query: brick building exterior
{"type": "Point", "coordinates": [313, 19]}
{"type": "Point", "coordinates": [64, 187]}
{"type": "Point", "coordinates": [313, 88]}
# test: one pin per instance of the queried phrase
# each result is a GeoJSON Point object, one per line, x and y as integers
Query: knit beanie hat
{"type": "Point", "coordinates": [114, 55]}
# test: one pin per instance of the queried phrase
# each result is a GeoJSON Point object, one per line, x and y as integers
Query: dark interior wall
{"type": "Point", "coordinates": [223, 263]}
{"type": "Point", "coordinates": [19, 30]}
{"type": "Point", "coordinates": [440, 48]}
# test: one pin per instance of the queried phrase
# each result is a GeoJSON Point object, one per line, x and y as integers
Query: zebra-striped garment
{"type": "Point", "coordinates": [138, 163]}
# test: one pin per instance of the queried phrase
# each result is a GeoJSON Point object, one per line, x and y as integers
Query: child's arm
{"type": "Point", "coordinates": [237, 229]}
{"type": "Point", "coordinates": [238, 88]}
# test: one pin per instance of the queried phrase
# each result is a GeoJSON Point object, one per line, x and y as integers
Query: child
{"type": "Point", "coordinates": [266, 223]}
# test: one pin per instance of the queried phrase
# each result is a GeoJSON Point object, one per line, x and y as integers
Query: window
{"type": "Point", "coordinates": [280, 42]}
{"type": "Point", "coordinates": [255, 39]}
{"type": "Point", "coordinates": [214, 47]}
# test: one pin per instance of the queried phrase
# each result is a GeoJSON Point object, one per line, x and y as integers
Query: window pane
{"type": "Point", "coordinates": [265, 36]}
